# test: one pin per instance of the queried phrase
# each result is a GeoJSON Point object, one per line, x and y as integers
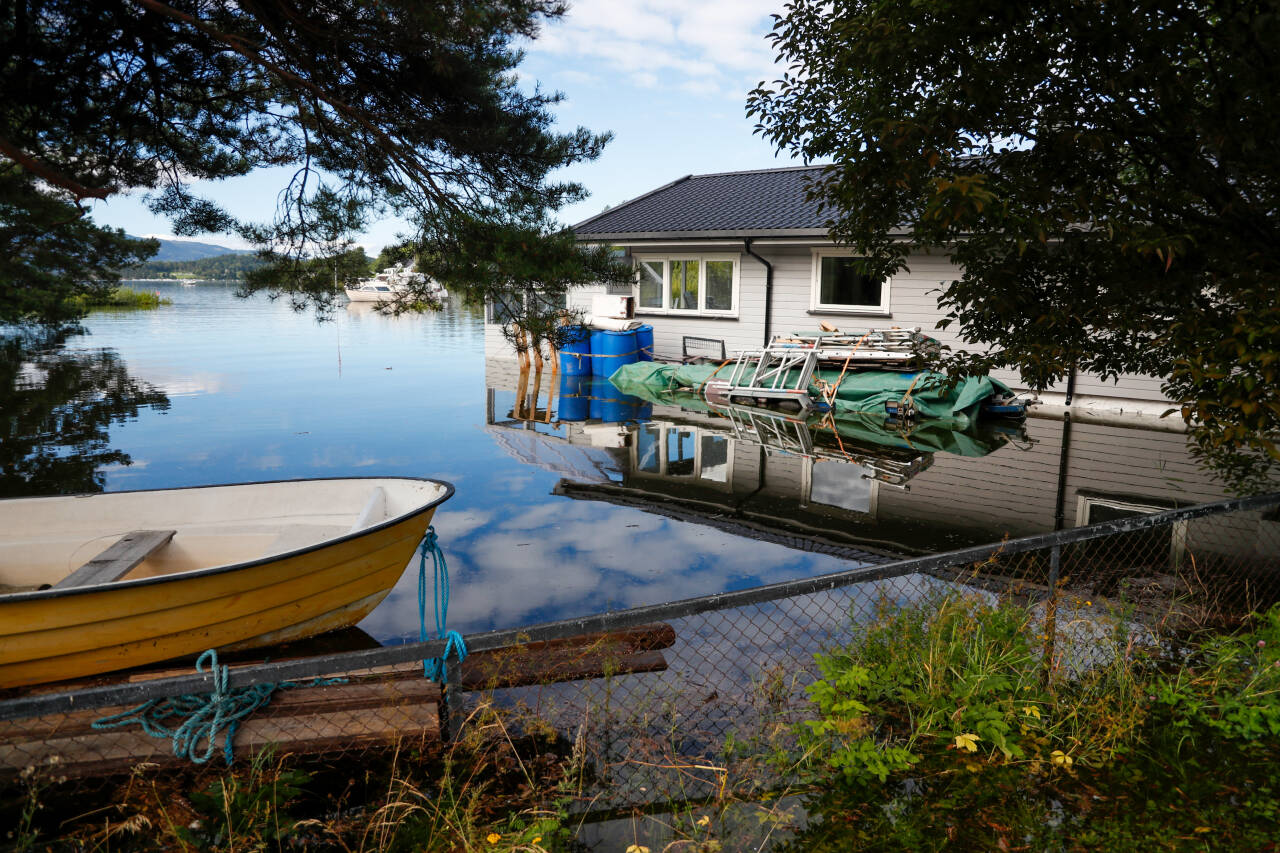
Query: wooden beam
{"type": "Point", "coordinates": [299, 721]}
{"type": "Point", "coordinates": [116, 562]}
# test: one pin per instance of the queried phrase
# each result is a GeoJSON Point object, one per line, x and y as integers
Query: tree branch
{"type": "Point", "coordinates": [48, 173]}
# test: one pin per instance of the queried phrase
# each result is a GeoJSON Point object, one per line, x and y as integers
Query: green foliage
{"type": "Point", "coordinates": [49, 253]}
{"type": "Point", "coordinates": [229, 267]}
{"type": "Point", "coordinates": [1103, 174]}
{"type": "Point", "coordinates": [988, 755]}
{"type": "Point", "coordinates": [253, 806]}
{"type": "Point", "coordinates": [316, 281]}
{"type": "Point", "coordinates": [120, 297]}
{"type": "Point", "coordinates": [525, 270]}
{"type": "Point", "coordinates": [392, 106]}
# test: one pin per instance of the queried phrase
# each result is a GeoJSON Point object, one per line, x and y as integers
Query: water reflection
{"type": "Point", "coordinates": [59, 406]}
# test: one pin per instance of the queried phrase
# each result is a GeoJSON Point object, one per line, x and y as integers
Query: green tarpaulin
{"type": "Point", "coordinates": [864, 391]}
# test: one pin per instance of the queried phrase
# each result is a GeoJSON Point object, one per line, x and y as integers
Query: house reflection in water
{"type": "Point", "coordinates": [870, 487]}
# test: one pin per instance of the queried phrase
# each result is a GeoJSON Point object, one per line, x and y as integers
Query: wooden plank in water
{"type": "Point", "coordinates": [303, 721]}
{"type": "Point", "coordinates": [583, 656]}
{"type": "Point", "coordinates": [115, 562]}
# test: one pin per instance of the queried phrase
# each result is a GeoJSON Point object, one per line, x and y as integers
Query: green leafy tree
{"type": "Point", "coordinates": [379, 106]}
{"type": "Point", "coordinates": [49, 252]}
{"type": "Point", "coordinates": [1104, 175]}
{"type": "Point", "coordinates": [228, 267]}
{"type": "Point", "coordinates": [524, 271]}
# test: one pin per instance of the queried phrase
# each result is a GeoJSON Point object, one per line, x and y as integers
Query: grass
{"type": "Point", "coordinates": [121, 298]}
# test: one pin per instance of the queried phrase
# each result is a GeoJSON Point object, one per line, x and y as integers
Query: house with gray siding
{"type": "Point", "coordinates": [741, 256]}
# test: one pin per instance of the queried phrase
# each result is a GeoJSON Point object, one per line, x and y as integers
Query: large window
{"type": "Point", "coordinates": [839, 284]}
{"type": "Point", "coordinates": [687, 284]}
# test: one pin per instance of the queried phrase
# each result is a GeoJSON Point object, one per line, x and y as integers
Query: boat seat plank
{"type": "Point", "coordinates": [374, 512]}
{"type": "Point", "coordinates": [115, 562]}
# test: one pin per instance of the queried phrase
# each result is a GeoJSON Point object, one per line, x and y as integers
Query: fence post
{"type": "Point", "coordinates": [1051, 612]}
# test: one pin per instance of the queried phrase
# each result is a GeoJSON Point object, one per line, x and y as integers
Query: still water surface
{"type": "Point", "coordinates": [257, 391]}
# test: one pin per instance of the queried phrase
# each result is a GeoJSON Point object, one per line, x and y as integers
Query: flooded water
{"type": "Point", "coordinates": [565, 506]}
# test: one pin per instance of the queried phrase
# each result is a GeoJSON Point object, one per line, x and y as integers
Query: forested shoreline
{"type": "Point", "coordinates": [229, 267]}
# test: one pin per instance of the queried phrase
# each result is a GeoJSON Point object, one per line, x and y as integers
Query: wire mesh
{"type": "Point", "coordinates": [659, 705]}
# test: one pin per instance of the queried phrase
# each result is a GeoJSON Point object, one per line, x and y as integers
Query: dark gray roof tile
{"type": "Point", "coordinates": [743, 202]}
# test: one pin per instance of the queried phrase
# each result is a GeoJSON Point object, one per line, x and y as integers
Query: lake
{"type": "Point", "coordinates": [555, 515]}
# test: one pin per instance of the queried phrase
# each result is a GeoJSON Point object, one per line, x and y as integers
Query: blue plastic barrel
{"type": "Point", "coordinates": [610, 350]}
{"type": "Point", "coordinates": [619, 408]}
{"type": "Point", "coordinates": [575, 397]}
{"type": "Point", "coordinates": [644, 342]}
{"type": "Point", "coordinates": [575, 354]}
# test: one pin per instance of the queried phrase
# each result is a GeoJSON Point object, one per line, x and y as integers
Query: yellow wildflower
{"type": "Point", "coordinates": [967, 741]}
{"type": "Point", "coordinates": [704, 820]}
{"type": "Point", "coordinates": [493, 838]}
{"type": "Point", "coordinates": [536, 839]}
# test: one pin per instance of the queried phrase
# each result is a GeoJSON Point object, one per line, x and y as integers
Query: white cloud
{"type": "Point", "coordinates": [710, 48]}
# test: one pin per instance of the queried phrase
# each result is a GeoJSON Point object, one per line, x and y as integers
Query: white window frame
{"type": "Point", "coordinates": [1177, 530]}
{"type": "Point", "coordinates": [702, 258]}
{"type": "Point", "coordinates": [663, 430]}
{"type": "Point", "coordinates": [884, 309]}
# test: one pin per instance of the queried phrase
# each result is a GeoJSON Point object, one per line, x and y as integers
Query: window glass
{"type": "Point", "coordinates": [501, 313]}
{"type": "Point", "coordinates": [715, 455]}
{"type": "Point", "coordinates": [684, 285]}
{"type": "Point", "coordinates": [648, 448]}
{"type": "Point", "coordinates": [680, 452]}
{"type": "Point", "coordinates": [719, 285]}
{"type": "Point", "coordinates": [650, 295]}
{"type": "Point", "coordinates": [841, 484]}
{"type": "Point", "coordinates": [843, 284]}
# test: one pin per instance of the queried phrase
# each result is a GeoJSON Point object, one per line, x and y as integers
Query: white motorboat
{"type": "Point", "coordinates": [393, 283]}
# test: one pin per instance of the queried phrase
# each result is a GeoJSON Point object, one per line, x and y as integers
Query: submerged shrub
{"type": "Point", "coordinates": [937, 726]}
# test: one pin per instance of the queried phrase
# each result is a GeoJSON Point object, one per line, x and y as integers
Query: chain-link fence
{"type": "Point", "coordinates": [640, 708]}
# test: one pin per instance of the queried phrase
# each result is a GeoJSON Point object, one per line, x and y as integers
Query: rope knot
{"type": "Point", "coordinates": [435, 668]}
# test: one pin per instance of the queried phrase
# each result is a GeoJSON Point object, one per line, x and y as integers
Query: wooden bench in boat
{"type": "Point", "coordinates": [116, 562]}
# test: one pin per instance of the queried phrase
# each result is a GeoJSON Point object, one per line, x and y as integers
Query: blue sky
{"type": "Point", "coordinates": [668, 77]}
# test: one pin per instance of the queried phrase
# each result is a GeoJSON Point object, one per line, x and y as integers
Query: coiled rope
{"type": "Point", "coordinates": [204, 716]}
{"type": "Point", "coordinates": [436, 668]}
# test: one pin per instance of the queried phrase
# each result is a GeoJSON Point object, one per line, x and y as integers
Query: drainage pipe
{"type": "Point", "coordinates": [768, 290]}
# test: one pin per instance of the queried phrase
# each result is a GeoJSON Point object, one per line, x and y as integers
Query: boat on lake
{"type": "Point", "coordinates": [95, 583]}
{"type": "Point", "coordinates": [393, 283]}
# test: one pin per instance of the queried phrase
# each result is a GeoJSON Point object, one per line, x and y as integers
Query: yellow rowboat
{"type": "Point", "coordinates": [95, 583]}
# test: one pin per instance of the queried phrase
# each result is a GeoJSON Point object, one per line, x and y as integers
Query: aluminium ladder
{"type": "Point", "coordinates": [774, 374]}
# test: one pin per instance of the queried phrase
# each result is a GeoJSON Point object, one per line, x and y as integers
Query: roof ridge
{"type": "Point", "coordinates": [762, 171]}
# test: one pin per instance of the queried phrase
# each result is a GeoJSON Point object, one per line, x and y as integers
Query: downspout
{"type": "Point", "coordinates": [768, 290]}
{"type": "Point", "coordinates": [1064, 455]}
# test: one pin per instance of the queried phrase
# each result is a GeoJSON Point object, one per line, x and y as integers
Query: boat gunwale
{"type": "Point", "coordinates": [36, 594]}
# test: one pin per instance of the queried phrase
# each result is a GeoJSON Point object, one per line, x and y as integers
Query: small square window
{"type": "Point", "coordinates": [841, 284]}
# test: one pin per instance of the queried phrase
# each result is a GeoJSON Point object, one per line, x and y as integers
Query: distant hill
{"type": "Point", "coordinates": [223, 266]}
{"type": "Point", "coordinates": [187, 250]}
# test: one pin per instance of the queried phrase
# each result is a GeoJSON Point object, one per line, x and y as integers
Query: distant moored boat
{"type": "Point", "coordinates": [392, 283]}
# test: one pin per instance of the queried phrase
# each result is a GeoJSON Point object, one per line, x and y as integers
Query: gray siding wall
{"type": "Point", "coordinates": [913, 302]}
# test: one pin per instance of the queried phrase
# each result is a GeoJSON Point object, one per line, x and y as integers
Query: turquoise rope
{"type": "Point", "coordinates": [204, 715]}
{"type": "Point", "coordinates": [436, 668]}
